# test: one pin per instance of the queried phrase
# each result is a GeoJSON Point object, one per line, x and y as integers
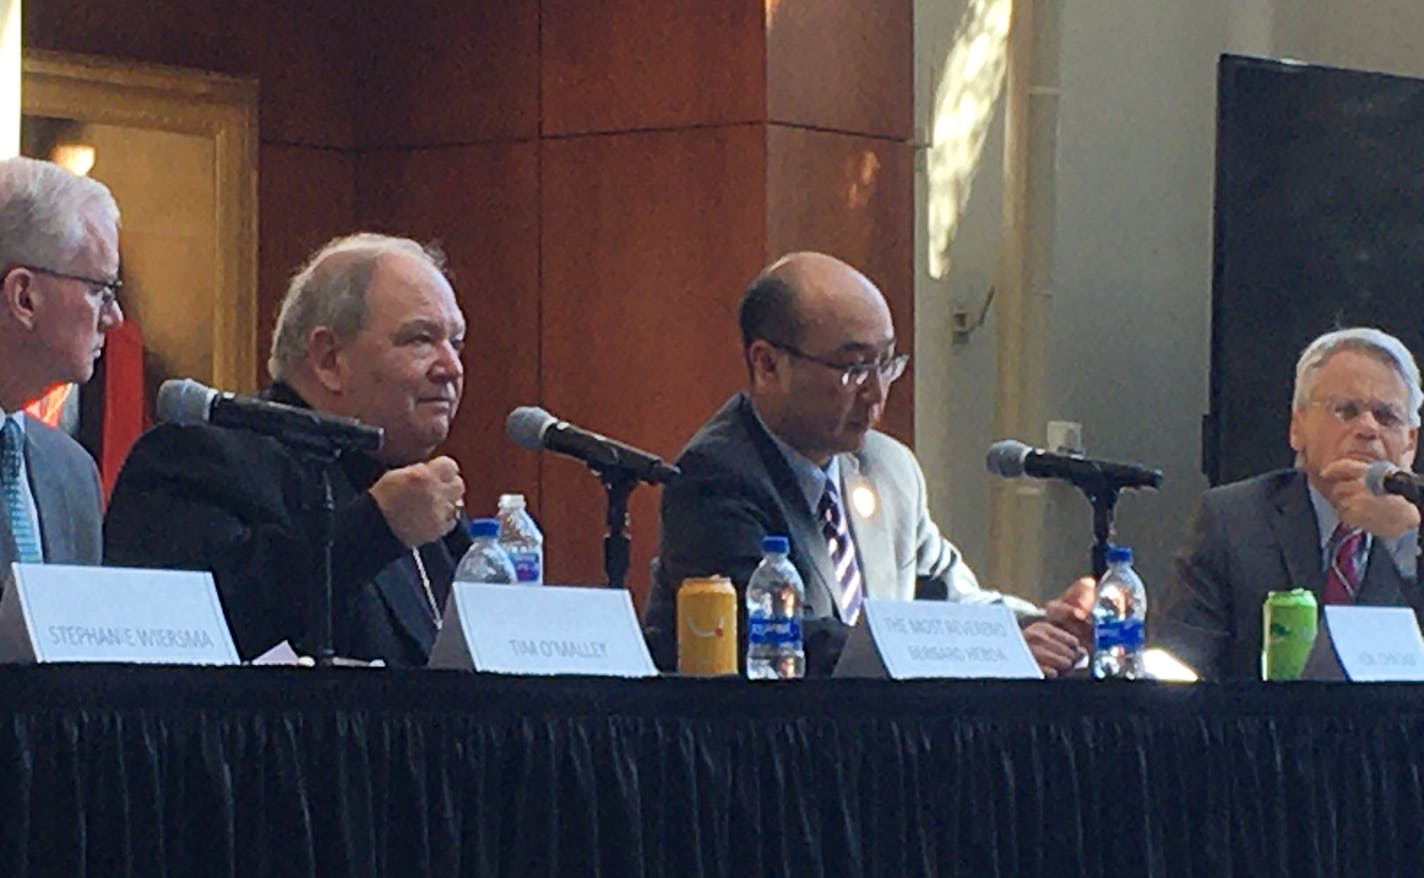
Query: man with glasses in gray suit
{"type": "Point", "coordinates": [59, 254]}
{"type": "Point", "coordinates": [798, 454]}
{"type": "Point", "coordinates": [1315, 526]}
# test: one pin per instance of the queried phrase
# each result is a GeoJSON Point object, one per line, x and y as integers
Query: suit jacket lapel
{"type": "Point", "coordinates": [1298, 534]}
{"type": "Point", "coordinates": [874, 541]}
{"type": "Point", "coordinates": [805, 530]}
{"type": "Point", "coordinates": [52, 505]}
{"type": "Point", "coordinates": [1384, 585]}
{"type": "Point", "coordinates": [400, 587]}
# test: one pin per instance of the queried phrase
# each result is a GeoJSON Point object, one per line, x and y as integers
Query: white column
{"type": "Point", "coordinates": [1025, 286]}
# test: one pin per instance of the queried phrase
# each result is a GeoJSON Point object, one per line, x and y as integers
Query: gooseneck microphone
{"type": "Point", "coordinates": [185, 401]}
{"type": "Point", "coordinates": [1383, 477]}
{"type": "Point", "coordinates": [534, 428]}
{"type": "Point", "coordinates": [1010, 458]}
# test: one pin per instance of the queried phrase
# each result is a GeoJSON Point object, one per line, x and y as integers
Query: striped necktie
{"type": "Point", "coordinates": [842, 550]}
{"type": "Point", "coordinates": [17, 513]}
{"type": "Point", "coordinates": [1342, 580]}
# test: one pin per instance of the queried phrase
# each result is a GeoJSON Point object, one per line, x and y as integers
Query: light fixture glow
{"type": "Point", "coordinates": [861, 176]}
{"type": "Point", "coordinates": [77, 158]}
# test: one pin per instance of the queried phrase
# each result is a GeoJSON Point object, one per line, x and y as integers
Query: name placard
{"type": "Point", "coordinates": [513, 629]}
{"type": "Point", "coordinates": [944, 639]}
{"type": "Point", "coordinates": [63, 613]}
{"type": "Point", "coordinates": [1376, 644]}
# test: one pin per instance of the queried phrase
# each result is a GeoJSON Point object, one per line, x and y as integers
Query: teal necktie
{"type": "Point", "coordinates": [27, 543]}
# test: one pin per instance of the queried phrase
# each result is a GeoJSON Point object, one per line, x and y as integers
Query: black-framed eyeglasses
{"type": "Point", "coordinates": [854, 374]}
{"type": "Point", "coordinates": [1346, 410]}
{"type": "Point", "coordinates": [106, 290]}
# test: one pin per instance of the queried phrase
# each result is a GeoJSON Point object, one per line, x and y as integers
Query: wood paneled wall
{"type": "Point", "coordinates": [300, 52]}
{"type": "Point", "coordinates": [606, 177]}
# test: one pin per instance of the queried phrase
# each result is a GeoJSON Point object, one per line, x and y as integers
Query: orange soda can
{"type": "Point", "coordinates": [707, 626]}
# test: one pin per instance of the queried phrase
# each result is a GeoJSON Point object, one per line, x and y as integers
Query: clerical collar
{"type": "Point", "coordinates": [362, 469]}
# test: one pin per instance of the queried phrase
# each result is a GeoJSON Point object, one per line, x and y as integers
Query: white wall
{"type": "Point", "coordinates": [954, 383]}
{"type": "Point", "coordinates": [1131, 312]}
{"type": "Point", "coordinates": [1130, 317]}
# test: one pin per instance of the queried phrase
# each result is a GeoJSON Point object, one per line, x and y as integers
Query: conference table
{"type": "Point", "coordinates": [115, 770]}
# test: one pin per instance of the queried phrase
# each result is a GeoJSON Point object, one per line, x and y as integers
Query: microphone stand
{"type": "Point", "coordinates": [318, 460]}
{"type": "Point", "coordinates": [318, 454]}
{"type": "Point", "coordinates": [1103, 495]}
{"type": "Point", "coordinates": [618, 483]}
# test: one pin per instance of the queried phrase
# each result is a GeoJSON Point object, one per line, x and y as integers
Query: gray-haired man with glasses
{"type": "Point", "coordinates": [1315, 526]}
{"type": "Point", "coordinates": [798, 454]}
{"type": "Point", "coordinates": [59, 254]}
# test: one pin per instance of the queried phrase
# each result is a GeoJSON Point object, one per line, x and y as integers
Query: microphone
{"type": "Point", "coordinates": [1011, 458]}
{"type": "Point", "coordinates": [1383, 477]}
{"type": "Point", "coordinates": [534, 428]}
{"type": "Point", "coordinates": [185, 401]}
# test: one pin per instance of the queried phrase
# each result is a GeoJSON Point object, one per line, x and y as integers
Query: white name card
{"type": "Point", "coordinates": [1376, 644]}
{"type": "Point", "coordinates": [511, 629]}
{"type": "Point", "coordinates": [920, 639]}
{"type": "Point", "coordinates": [62, 613]}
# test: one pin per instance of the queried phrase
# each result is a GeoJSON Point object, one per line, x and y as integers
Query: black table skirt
{"type": "Point", "coordinates": [112, 771]}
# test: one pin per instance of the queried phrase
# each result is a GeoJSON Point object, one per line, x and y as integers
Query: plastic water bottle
{"type": "Point", "coordinates": [520, 537]}
{"type": "Point", "coordinates": [485, 561]}
{"type": "Point", "coordinates": [775, 595]}
{"type": "Point", "coordinates": [1119, 614]}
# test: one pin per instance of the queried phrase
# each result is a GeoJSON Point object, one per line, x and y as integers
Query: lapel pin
{"type": "Point", "coordinates": [862, 498]}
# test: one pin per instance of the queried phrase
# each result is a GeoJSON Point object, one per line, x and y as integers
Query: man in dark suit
{"type": "Point", "coordinates": [1316, 526]}
{"type": "Point", "coordinates": [59, 251]}
{"type": "Point", "coordinates": [369, 329]}
{"type": "Point", "coordinates": [797, 454]}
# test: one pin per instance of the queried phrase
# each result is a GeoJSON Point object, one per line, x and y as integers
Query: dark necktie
{"type": "Point", "coordinates": [1342, 580]}
{"type": "Point", "coordinates": [842, 551]}
{"type": "Point", "coordinates": [17, 514]}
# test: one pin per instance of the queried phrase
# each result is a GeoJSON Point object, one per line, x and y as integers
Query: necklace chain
{"type": "Point", "coordinates": [425, 584]}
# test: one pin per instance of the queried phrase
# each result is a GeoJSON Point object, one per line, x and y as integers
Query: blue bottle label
{"type": "Point", "coordinates": [526, 566]}
{"type": "Point", "coordinates": [772, 631]}
{"type": "Point", "coordinates": [1128, 633]}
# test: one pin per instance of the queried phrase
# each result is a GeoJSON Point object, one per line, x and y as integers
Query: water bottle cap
{"type": "Point", "coordinates": [484, 527]}
{"type": "Point", "coordinates": [515, 501]}
{"type": "Point", "coordinates": [778, 544]}
{"type": "Point", "coordinates": [1119, 555]}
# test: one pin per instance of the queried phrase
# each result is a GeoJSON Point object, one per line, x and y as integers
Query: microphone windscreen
{"type": "Point", "coordinates": [184, 401]}
{"type": "Point", "coordinates": [1375, 475]}
{"type": "Point", "coordinates": [1006, 458]}
{"type": "Point", "coordinates": [527, 425]}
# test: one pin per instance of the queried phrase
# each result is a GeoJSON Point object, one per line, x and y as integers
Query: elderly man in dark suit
{"type": "Point", "coordinates": [369, 329]}
{"type": "Point", "coordinates": [59, 253]}
{"type": "Point", "coordinates": [798, 454]}
{"type": "Point", "coordinates": [1316, 526]}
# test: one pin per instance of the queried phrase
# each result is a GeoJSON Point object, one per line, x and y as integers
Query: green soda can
{"type": "Point", "coordinates": [1288, 624]}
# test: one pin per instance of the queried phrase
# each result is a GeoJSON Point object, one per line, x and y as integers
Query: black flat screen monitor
{"type": "Point", "coordinates": [1319, 224]}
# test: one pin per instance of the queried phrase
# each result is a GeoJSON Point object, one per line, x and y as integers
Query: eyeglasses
{"type": "Point", "coordinates": [106, 290]}
{"type": "Point", "coordinates": [1347, 410]}
{"type": "Point", "coordinates": [855, 374]}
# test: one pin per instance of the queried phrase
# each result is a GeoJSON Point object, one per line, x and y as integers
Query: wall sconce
{"type": "Point", "coordinates": [77, 158]}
